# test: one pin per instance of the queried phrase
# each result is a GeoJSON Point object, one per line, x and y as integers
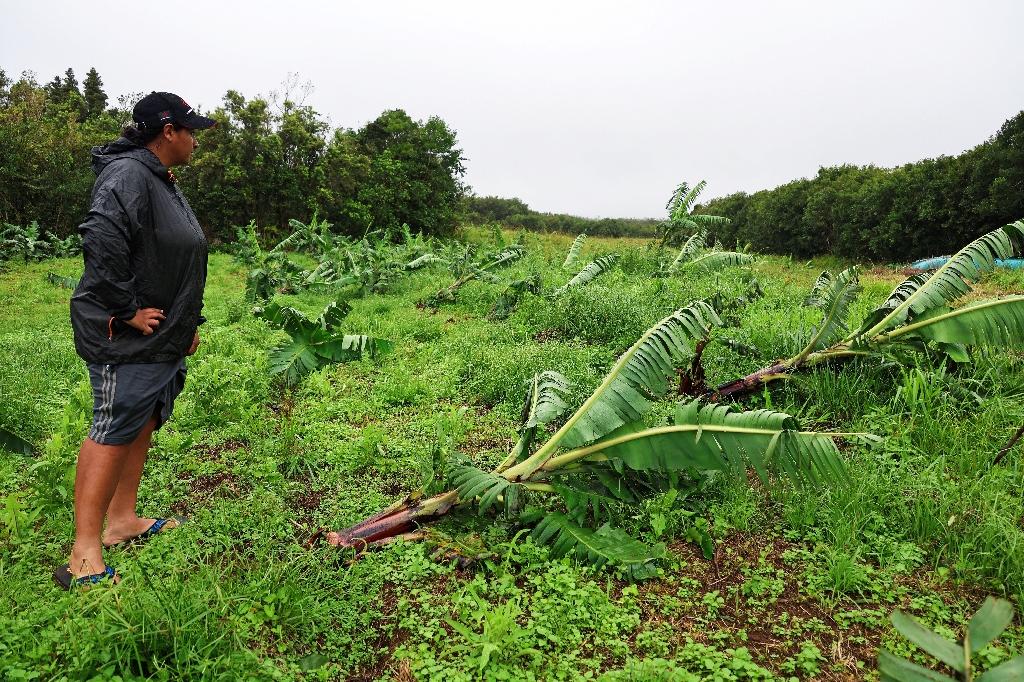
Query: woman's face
{"type": "Point", "coordinates": [178, 145]}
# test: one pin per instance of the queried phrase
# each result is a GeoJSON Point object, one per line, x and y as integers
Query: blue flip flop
{"type": "Point", "coordinates": [62, 576]}
{"type": "Point", "coordinates": [158, 526]}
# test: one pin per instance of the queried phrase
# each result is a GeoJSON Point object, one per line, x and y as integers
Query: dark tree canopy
{"type": "Point", "coordinates": [92, 91]}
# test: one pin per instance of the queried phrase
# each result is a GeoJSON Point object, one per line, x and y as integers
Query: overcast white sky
{"type": "Point", "coordinates": [593, 108]}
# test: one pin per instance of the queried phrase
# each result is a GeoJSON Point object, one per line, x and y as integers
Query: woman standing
{"type": "Point", "coordinates": [135, 314]}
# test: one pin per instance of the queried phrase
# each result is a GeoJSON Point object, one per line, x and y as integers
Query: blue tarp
{"type": "Point", "coordinates": [939, 261]}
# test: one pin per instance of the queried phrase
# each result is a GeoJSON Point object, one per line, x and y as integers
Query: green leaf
{"type": "Point", "coordinates": [588, 273]}
{"type": "Point", "coordinates": [349, 346]}
{"type": "Point", "coordinates": [585, 502]}
{"type": "Point", "coordinates": [574, 251]}
{"type": "Point", "coordinates": [12, 442]}
{"type": "Point", "coordinates": [333, 314]}
{"type": "Point", "coordinates": [312, 662]}
{"type": "Point", "coordinates": [1010, 671]}
{"type": "Point", "coordinates": [921, 293]}
{"type": "Point", "coordinates": [294, 359]}
{"type": "Point", "coordinates": [998, 322]}
{"type": "Point", "coordinates": [693, 245]}
{"type": "Point", "coordinates": [895, 669]}
{"type": "Point", "coordinates": [289, 319]}
{"type": "Point", "coordinates": [948, 652]}
{"type": "Point", "coordinates": [600, 547]}
{"type": "Point", "coordinates": [544, 399]}
{"type": "Point", "coordinates": [715, 261]}
{"type": "Point", "coordinates": [715, 438]}
{"type": "Point", "coordinates": [988, 622]}
{"type": "Point", "coordinates": [471, 483]}
{"type": "Point", "coordinates": [423, 261]}
{"type": "Point", "coordinates": [834, 297]}
{"type": "Point", "coordinates": [643, 370]}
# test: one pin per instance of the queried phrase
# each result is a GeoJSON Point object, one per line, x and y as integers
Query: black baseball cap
{"type": "Point", "coordinates": [159, 108]}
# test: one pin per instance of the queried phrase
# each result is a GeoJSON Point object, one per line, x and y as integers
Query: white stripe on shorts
{"type": "Point", "coordinates": [101, 428]}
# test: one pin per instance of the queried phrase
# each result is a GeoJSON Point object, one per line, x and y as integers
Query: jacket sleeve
{"type": "Point", "coordinates": [106, 244]}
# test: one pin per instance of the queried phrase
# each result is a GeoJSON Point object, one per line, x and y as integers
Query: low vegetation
{"type": "Point", "coordinates": [600, 522]}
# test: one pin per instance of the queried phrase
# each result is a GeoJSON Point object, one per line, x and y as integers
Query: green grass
{"type": "Point", "coordinates": [800, 583]}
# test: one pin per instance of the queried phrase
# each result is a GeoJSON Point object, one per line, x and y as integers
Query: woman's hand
{"type": "Point", "coordinates": [195, 345]}
{"type": "Point", "coordinates": [146, 320]}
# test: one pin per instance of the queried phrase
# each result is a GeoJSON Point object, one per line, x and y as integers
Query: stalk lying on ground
{"type": "Point", "coordinates": [603, 456]}
{"type": "Point", "coordinates": [915, 317]}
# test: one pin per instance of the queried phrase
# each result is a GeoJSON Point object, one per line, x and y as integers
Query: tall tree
{"type": "Point", "coordinates": [92, 90]}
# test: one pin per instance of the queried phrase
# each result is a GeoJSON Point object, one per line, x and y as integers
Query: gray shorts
{"type": "Point", "coordinates": [126, 396]}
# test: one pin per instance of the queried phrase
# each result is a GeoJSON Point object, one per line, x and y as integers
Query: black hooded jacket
{"type": "Point", "coordinates": [143, 248]}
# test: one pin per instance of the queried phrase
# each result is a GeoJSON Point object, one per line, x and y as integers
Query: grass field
{"type": "Point", "coordinates": [800, 585]}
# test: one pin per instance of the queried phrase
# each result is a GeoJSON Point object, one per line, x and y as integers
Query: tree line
{"type": "Point", "coordinates": [514, 213]}
{"type": "Point", "coordinates": [920, 209]}
{"type": "Point", "coordinates": [269, 159]}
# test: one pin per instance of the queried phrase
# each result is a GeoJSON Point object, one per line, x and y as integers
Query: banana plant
{"type": "Point", "coordinates": [315, 343]}
{"type": "Point", "coordinates": [466, 271]}
{"type": "Point", "coordinates": [590, 272]}
{"type": "Point", "coordinates": [916, 317]}
{"type": "Point", "coordinates": [23, 242]}
{"type": "Point", "coordinates": [509, 299]}
{"type": "Point", "coordinates": [681, 218]}
{"type": "Point", "coordinates": [696, 257]}
{"type": "Point", "coordinates": [62, 281]}
{"type": "Point", "coordinates": [604, 455]}
{"type": "Point", "coordinates": [574, 251]}
{"type": "Point", "coordinates": [985, 625]}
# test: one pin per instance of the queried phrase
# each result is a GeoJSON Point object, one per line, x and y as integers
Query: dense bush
{"type": "Point", "coordinates": [895, 214]}
{"type": "Point", "coordinates": [266, 160]}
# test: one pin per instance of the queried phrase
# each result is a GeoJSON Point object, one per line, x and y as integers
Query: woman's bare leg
{"type": "Point", "coordinates": [99, 469]}
{"type": "Point", "coordinates": [123, 521]}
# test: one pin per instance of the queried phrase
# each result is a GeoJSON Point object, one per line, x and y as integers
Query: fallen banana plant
{"type": "Point", "coordinates": [604, 457]}
{"type": "Point", "coordinates": [315, 343]}
{"type": "Point", "coordinates": [916, 317]}
{"type": "Point", "coordinates": [509, 299]}
{"type": "Point", "coordinates": [466, 272]}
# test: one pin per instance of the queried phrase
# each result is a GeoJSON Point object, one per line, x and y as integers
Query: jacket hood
{"type": "Point", "coordinates": [121, 148]}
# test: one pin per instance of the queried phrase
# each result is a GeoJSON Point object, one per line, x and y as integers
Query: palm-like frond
{"type": "Point", "coordinates": [491, 488]}
{"type": "Point", "coordinates": [683, 199]}
{"type": "Point", "coordinates": [61, 281]}
{"type": "Point", "coordinates": [716, 260]}
{"type": "Point", "coordinates": [352, 347]}
{"type": "Point", "coordinates": [507, 256]}
{"type": "Point", "coordinates": [833, 295]}
{"type": "Point", "coordinates": [423, 261]}
{"type": "Point", "coordinates": [821, 285]}
{"type": "Point", "coordinates": [919, 294]}
{"type": "Point", "coordinates": [585, 502]}
{"type": "Point", "coordinates": [598, 547]}
{"type": "Point", "coordinates": [590, 272]}
{"type": "Point", "coordinates": [544, 403]}
{"type": "Point", "coordinates": [705, 221]}
{"type": "Point", "coordinates": [998, 322]}
{"type": "Point", "coordinates": [695, 244]}
{"type": "Point", "coordinates": [314, 343]}
{"type": "Point", "coordinates": [574, 251]}
{"type": "Point", "coordinates": [639, 376]}
{"type": "Point", "coordinates": [715, 438]}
